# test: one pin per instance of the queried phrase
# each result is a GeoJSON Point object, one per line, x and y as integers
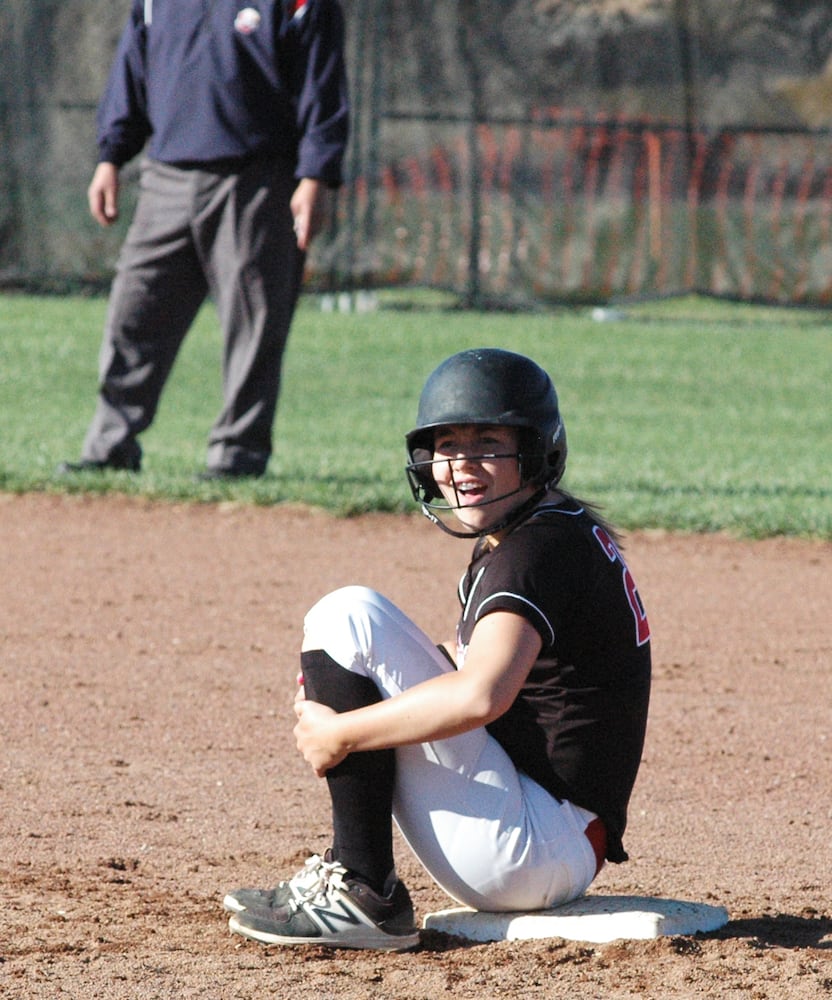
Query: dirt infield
{"type": "Point", "coordinates": [148, 664]}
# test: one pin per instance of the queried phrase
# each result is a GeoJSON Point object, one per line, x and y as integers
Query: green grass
{"type": "Point", "coordinates": [688, 415]}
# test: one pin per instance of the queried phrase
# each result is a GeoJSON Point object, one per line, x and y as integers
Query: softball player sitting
{"type": "Point", "coordinates": [506, 757]}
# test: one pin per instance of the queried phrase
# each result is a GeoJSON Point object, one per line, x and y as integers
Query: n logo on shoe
{"type": "Point", "coordinates": [330, 918]}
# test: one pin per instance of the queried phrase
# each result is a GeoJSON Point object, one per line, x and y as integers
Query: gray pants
{"type": "Point", "coordinates": [223, 233]}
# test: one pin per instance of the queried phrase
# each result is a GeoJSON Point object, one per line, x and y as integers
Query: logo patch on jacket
{"type": "Point", "coordinates": [247, 20]}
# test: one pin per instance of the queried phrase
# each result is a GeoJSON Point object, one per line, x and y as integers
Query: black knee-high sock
{"type": "Point", "coordinates": [361, 786]}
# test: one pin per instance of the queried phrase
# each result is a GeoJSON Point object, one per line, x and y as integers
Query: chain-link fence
{"type": "Point", "coordinates": [509, 152]}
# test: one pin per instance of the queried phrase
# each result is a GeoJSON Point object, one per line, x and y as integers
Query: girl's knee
{"type": "Point", "coordinates": [339, 614]}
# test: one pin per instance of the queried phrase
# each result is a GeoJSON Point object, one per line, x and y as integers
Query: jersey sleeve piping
{"type": "Point", "coordinates": [539, 615]}
{"type": "Point", "coordinates": [553, 508]}
{"type": "Point", "coordinates": [467, 602]}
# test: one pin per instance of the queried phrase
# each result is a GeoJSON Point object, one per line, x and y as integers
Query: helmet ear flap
{"type": "Point", "coordinates": [422, 485]}
{"type": "Point", "coordinates": [554, 461]}
{"type": "Point", "coordinates": [541, 464]}
{"type": "Point", "coordinates": [556, 452]}
{"type": "Point", "coordinates": [531, 458]}
{"type": "Point", "coordinates": [420, 474]}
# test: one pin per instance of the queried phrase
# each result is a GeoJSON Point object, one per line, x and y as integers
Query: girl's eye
{"type": "Point", "coordinates": [493, 442]}
{"type": "Point", "coordinates": [444, 446]}
{"type": "Point", "coordinates": [484, 442]}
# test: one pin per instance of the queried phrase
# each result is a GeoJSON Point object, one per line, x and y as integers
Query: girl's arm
{"type": "Point", "coordinates": [501, 653]}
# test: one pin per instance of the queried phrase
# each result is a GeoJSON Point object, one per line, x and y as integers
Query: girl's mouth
{"type": "Point", "coordinates": [470, 493]}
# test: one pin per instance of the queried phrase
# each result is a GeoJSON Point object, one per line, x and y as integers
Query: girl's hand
{"type": "Point", "coordinates": [316, 736]}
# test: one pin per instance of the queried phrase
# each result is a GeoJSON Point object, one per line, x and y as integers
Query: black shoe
{"type": "Point", "coordinates": [273, 899]}
{"type": "Point", "coordinates": [88, 465]}
{"type": "Point", "coordinates": [330, 908]}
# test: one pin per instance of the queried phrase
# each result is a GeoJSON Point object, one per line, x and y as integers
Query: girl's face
{"type": "Point", "coordinates": [477, 471]}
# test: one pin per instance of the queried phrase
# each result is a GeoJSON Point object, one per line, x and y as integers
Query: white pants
{"type": "Point", "coordinates": [491, 837]}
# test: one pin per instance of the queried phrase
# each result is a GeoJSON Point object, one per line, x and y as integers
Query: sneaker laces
{"type": "Point", "coordinates": [327, 874]}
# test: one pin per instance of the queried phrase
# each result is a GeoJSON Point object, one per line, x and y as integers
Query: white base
{"type": "Point", "coordinates": [596, 919]}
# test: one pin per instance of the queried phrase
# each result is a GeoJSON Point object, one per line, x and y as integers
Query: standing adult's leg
{"type": "Point", "coordinates": [254, 269]}
{"type": "Point", "coordinates": [158, 289]}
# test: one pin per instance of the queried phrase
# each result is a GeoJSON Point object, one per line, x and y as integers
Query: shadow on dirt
{"type": "Point", "coordinates": [781, 931]}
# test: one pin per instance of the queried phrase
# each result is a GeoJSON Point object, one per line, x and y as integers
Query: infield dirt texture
{"type": "Point", "coordinates": [148, 668]}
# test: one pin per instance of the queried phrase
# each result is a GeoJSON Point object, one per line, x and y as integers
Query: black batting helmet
{"type": "Point", "coordinates": [498, 388]}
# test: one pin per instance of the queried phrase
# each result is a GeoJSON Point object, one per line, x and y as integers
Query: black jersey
{"type": "Point", "coordinates": [577, 726]}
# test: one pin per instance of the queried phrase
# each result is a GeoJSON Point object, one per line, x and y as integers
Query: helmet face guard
{"type": "Point", "coordinates": [490, 387]}
{"type": "Point", "coordinates": [439, 508]}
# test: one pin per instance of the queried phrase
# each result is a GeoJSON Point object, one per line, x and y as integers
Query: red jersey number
{"type": "Point", "coordinates": [611, 551]}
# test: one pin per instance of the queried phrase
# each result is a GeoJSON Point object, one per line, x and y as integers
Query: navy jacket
{"type": "Point", "coordinates": [197, 81]}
